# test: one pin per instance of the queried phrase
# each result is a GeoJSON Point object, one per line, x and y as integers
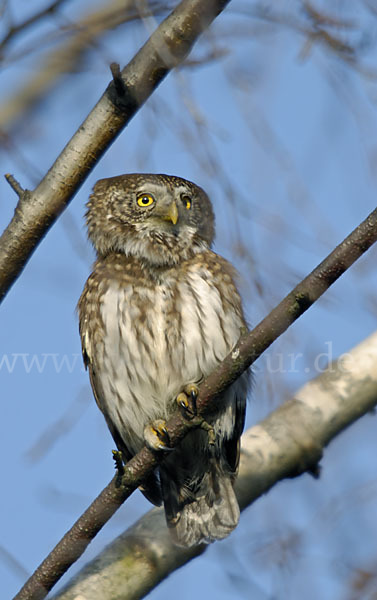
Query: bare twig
{"type": "Point", "coordinates": [248, 349]}
{"type": "Point", "coordinates": [14, 184]}
{"type": "Point", "coordinates": [119, 85]}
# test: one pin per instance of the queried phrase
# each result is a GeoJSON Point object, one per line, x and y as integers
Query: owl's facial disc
{"type": "Point", "coordinates": [168, 212]}
{"type": "Point", "coordinates": [162, 219]}
{"type": "Point", "coordinates": [163, 211]}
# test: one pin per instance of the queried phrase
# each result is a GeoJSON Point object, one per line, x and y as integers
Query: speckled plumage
{"type": "Point", "coordinates": [160, 311]}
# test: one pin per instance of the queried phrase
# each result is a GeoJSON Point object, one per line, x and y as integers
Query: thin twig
{"type": "Point", "coordinates": [117, 78]}
{"type": "Point", "coordinates": [248, 349]}
{"type": "Point", "coordinates": [14, 184]}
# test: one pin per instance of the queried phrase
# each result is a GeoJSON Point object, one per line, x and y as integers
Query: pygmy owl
{"type": "Point", "coordinates": [158, 313]}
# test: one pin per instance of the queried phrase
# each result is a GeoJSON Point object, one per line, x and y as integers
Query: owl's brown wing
{"type": "Point", "coordinates": [151, 487]}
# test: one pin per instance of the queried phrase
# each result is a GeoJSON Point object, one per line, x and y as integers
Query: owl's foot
{"type": "Point", "coordinates": [119, 466]}
{"type": "Point", "coordinates": [156, 436]}
{"type": "Point", "coordinates": [210, 432]}
{"type": "Point", "coordinates": [186, 400]}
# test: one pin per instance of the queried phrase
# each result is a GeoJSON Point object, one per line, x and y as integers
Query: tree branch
{"type": "Point", "coordinates": [247, 350]}
{"type": "Point", "coordinates": [279, 447]}
{"type": "Point", "coordinates": [166, 48]}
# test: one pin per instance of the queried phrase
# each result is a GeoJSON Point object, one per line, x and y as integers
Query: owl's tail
{"type": "Point", "coordinates": [209, 513]}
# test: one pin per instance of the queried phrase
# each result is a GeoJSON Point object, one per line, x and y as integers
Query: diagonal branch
{"type": "Point", "coordinates": [280, 446]}
{"type": "Point", "coordinates": [247, 350]}
{"type": "Point", "coordinates": [36, 211]}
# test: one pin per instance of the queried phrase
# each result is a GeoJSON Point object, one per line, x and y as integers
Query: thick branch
{"type": "Point", "coordinates": [248, 349]}
{"type": "Point", "coordinates": [166, 48]}
{"type": "Point", "coordinates": [283, 444]}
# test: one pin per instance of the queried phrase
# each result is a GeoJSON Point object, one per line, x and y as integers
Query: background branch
{"type": "Point", "coordinates": [15, 30]}
{"type": "Point", "coordinates": [76, 39]}
{"type": "Point", "coordinates": [248, 349]}
{"type": "Point", "coordinates": [83, 35]}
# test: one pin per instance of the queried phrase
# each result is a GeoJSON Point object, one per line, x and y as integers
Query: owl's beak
{"type": "Point", "coordinates": [172, 213]}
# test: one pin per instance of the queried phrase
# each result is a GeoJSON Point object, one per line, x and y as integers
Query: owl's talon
{"type": "Point", "coordinates": [191, 390]}
{"type": "Point", "coordinates": [184, 403]}
{"type": "Point", "coordinates": [156, 436]}
{"type": "Point", "coordinates": [186, 400]}
{"type": "Point", "coordinates": [119, 466]}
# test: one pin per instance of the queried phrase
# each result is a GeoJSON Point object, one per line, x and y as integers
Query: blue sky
{"type": "Point", "coordinates": [286, 149]}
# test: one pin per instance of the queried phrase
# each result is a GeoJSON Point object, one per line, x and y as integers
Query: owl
{"type": "Point", "coordinates": [158, 313]}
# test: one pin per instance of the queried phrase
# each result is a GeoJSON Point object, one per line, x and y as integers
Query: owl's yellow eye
{"type": "Point", "coordinates": [145, 200]}
{"type": "Point", "coordinates": [187, 202]}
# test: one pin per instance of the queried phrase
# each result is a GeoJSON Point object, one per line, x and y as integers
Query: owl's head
{"type": "Point", "coordinates": [161, 219]}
